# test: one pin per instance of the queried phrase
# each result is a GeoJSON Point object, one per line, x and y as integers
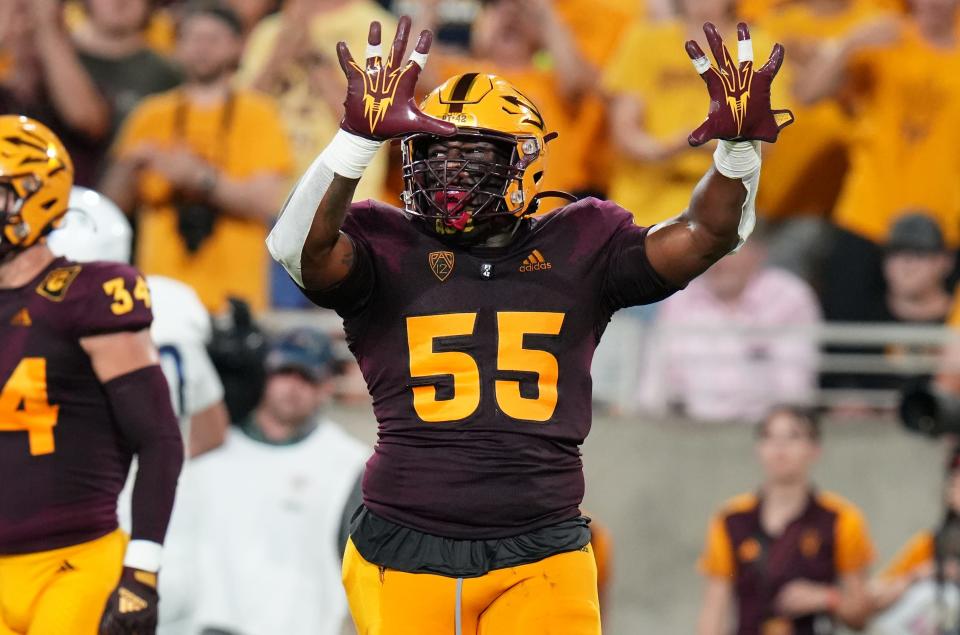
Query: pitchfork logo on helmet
{"type": "Point", "coordinates": [456, 193]}
{"type": "Point", "coordinates": [37, 173]}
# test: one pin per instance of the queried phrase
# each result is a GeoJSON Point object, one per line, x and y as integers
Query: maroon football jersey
{"type": "Point", "coordinates": [478, 361]}
{"type": "Point", "coordinates": [63, 460]}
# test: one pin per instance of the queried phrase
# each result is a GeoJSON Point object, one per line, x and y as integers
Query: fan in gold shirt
{"type": "Point", "coordinates": [904, 154]}
{"type": "Point", "coordinates": [653, 105]}
{"type": "Point", "coordinates": [204, 168]}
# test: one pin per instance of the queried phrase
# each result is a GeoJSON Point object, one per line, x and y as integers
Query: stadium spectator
{"type": "Point", "coordinates": [159, 27]}
{"type": "Point", "coordinates": [904, 154]}
{"type": "Point", "coordinates": [113, 50]}
{"type": "Point", "coordinates": [804, 172]}
{"type": "Point", "coordinates": [789, 558]}
{"type": "Point", "coordinates": [261, 523]}
{"type": "Point", "coordinates": [251, 12]}
{"type": "Point", "coordinates": [654, 105]}
{"type": "Point", "coordinates": [916, 265]}
{"type": "Point", "coordinates": [291, 56]}
{"type": "Point", "coordinates": [910, 590]}
{"type": "Point", "coordinates": [529, 45]}
{"type": "Point", "coordinates": [454, 17]}
{"type": "Point", "coordinates": [204, 169]}
{"type": "Point", "coordinates": [706, 358]}
{"type": "Point", "coordinates": [597, 27]}
{"type": "Point", "coordinates": [44, 79]}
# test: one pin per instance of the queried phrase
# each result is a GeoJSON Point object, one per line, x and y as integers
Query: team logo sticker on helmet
{"type": "Point", "coordinates": [441, 263]}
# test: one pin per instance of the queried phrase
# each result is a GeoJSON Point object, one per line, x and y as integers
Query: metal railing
{"type": "Point", "coordinates": [901, 350]}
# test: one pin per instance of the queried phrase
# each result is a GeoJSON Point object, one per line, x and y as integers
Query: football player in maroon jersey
{"type": "Point", "coordinates": [81, 392]}
{"type": "Point", "coordinates": [474, 324]}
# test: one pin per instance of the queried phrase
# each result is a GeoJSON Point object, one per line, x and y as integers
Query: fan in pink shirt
{"type": "Point", "coordinates": [735, 342]}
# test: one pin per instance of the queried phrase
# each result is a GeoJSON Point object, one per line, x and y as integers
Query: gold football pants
{"type": "Point", "coordinates": [555, 596]}
{"type": "Point", "coordinates": [61, 591]}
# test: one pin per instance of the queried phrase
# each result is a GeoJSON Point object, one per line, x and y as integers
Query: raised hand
{"type": "Point", "coordinates": [739, 96]}
{"type": "Point", "coordinates": [380, 97]}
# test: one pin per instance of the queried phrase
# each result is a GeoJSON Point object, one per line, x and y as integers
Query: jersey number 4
{"type": "Point", "coordinates": [24, 405]}
{"type": "Point", "coordinates": [512, 326]}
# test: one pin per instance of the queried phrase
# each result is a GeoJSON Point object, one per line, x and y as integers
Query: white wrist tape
{"type": "Point", "coordinates": [741, 160]}
{"type": "Point", "coordinates": [346, 155]}
{"type": "Point", "coordinates": [737, 159]}
{"type": "Point", "coordinates": [144, 555]}
{"type": "Point", "coordinates": [349, 155]}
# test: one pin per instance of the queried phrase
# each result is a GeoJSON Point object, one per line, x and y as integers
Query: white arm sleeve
{"type": "Point", "coordinates": [741, 160]}
{"type": "Point", "coordinates": [347, 155]}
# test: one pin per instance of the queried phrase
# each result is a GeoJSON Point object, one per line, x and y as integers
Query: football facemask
{"type": "Point", "coordinates": [459, 183]}
{"type": "Point", "coordinates": [486, 110]}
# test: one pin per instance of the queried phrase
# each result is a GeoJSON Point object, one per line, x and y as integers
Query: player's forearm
{"type": "Point", "coordinates": [722, 207]}
{"type": "Point", "coordinates": [683, 248]}
{"type": "Point", "coordinates": [153, 434]}
{"type": "Point", "coordinates": [325, 248]}
{"type": "Point", "coordinates": [306, 239]}
{"type": "Point", "coordinates": [714, 215]}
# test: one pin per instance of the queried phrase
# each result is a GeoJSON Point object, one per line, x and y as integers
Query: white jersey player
{"type": "Point", "coordinates": [95, 229]}
{"type": "Point", "coordinates": [259, 527]}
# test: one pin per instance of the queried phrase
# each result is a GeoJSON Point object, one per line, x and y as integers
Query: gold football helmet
{"type": "Point", "coordinates": [37, 173]}
{"type": "Point", "coordinates": [484, 108]}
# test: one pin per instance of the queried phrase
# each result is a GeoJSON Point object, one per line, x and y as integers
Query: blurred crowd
{"type": "Point", "coordinates": [196, 116]}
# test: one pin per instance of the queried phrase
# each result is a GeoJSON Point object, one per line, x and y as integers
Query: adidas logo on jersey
{"type": "Point", "coordinates": [22, 318]}
{"type": "Point", "coordinates": [535, 262]}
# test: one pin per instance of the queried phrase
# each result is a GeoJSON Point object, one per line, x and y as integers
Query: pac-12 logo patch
{"type": "Point", "coordinates": [441, 263]}
{"type": "Point", "coordinates": [54, 286]}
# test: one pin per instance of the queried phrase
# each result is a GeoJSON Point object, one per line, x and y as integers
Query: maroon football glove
{"type": "Point", "coordinates": [379, 102]}
{"type": "Point", "coordinates": [739, 96]}
{"type": "Point", "coordinates": [132, 608]}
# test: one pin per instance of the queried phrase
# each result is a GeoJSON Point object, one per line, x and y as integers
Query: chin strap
{"type": "Point", "coordinates": [534, 205]}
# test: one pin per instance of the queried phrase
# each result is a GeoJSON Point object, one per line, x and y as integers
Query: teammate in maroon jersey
{"type": "Point", "coordinates": [474, 324]}
{"type": "Point", "coordinates": [80, 393]}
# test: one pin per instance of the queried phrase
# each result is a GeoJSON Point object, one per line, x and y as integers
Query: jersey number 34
{"type": "Point", "coordinates": [512, 326]}
{"type": "Point", "coordinates": [24, 405]}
